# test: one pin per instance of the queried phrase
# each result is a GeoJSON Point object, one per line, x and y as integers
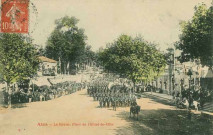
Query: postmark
{"type": "Point", "coordinates": [15, 16]}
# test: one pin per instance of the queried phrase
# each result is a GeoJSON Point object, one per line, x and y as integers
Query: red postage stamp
{"type": "Point", "coordinates": [14, 16]}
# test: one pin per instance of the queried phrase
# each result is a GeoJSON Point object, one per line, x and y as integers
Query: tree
{"type": "Point", "coordinates": [133, 58]}
{"type": "Point", "coordinates": [41, 51]}
{"type": "Point", "coordinates": [66, 42]}
{"type": "Point", "coordinates": [18, 59]}
{"type": "Point", "coordinates": [196, 38]}
{"type": "Point", "coordinates": [88, 56]}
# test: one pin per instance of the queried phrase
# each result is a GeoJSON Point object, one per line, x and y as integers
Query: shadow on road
{"type": "Point", "coordinates": [14, 106]}
{"type": "Point", "coordinates": [84, 94]}
{"type": "Point", "coordinates": [165, 122]}
{"type": "Point", "coordinates": [20, 105]}
{"type": "Point", "coordinates": [160, 100]}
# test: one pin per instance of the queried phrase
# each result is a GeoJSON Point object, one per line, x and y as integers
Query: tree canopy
{"type": "Point", "coordinates": [87, 56]}
{"type": "Point", "coordinates": [18, 59]}
{"type": "Point", "coordinates": [196, 38]}
{"type": "Point", "coordinates": [66, 42]}
{"type": "Point", "coordinates": [133, 58]}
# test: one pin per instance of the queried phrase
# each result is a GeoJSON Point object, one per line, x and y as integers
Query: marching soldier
{"type": "Point", "coordinates": [108, 101]}
{"type": "Point", "coordinates": [101, 102]}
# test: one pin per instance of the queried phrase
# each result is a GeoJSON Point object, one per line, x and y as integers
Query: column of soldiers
{"type": "Point", "coordinates": [59, 90]}
{"type": "Point", "coordinates": [43, 93]}
{"type": "Point", "coordinates": [117, 96]}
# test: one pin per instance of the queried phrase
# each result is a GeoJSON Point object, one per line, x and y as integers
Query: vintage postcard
{"type": "Point", "coordinates": [106, 67]}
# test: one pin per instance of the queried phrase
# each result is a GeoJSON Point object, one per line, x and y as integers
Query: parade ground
{"type": "Point", "coordinates": [78, 114]}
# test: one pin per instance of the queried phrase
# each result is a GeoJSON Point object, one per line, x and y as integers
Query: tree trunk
{"type": "Point", "coordinates": [133, 86]}
{"type": "Point", "coordinates": [65, 72]}
{"type": "Point", "coordinates": [9, 95]}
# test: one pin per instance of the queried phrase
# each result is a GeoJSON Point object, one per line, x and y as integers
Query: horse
{"type": "Point", "coordinates": [135, 110]}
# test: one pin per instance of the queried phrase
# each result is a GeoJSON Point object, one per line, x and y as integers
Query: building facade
{"type": "Point", "coordinates": [183, 76]}
{"type": "Point", "coordinates": [47, 67]}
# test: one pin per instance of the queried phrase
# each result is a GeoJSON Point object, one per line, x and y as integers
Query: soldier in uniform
{"type": "Point", "coordinates": [104, 101]}
{"type": "Point", "coordinates": [113, 103]}
{"type": "Point", "coordinates": [88, 90]}
{"type": "Point", "coordinates": [98, 96]}
{"type": "Point", "coordinates": [91, 90]}
{"type": "Point", "coordinates": [101, 102]}
{"type": "Point", "coordinates": [133, 101]}
{"type": "Point", "coordinates": [94, 95]}
{"type": "Point", "coordinates": [108, 101]}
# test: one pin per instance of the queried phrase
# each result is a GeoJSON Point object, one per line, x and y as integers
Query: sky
{"type": "Point", "coordinates": [105, 20]}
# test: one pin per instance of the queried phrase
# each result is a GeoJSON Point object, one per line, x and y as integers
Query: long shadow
{"type": "Point", "coordinates": [84, 94]}
{"type": "Point", "coordinates": [19, 105]}
{"type": "Point", "coordinates": [15, 106]}
{"type": "Point", "coordinates": [163, 101]}
{"type": "Point", "coordinates": [165, 122]}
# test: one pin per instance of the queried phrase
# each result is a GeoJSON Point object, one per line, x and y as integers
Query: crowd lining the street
{"type": "Point", "coordinates": [191, 98]}
{"type": "Point", "coordinates": [42, 93]}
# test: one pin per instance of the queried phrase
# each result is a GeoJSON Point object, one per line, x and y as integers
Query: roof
{"type": "Point", "coordinates": [209, 74]}
{"type": "Point", "coordinates": [45, 59]}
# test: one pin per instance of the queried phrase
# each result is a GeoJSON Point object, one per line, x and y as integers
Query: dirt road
{"type": "Point", "coordinates": [63, 116]}
{"type": "Point", "coordinates": [78, 114]}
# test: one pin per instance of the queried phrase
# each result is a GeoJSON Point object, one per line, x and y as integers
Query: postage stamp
{"type": "Point", "coordinates": [14, 16]}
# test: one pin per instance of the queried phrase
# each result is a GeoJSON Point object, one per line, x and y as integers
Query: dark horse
{"type": "Point", "coordinates": [135, 110]}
